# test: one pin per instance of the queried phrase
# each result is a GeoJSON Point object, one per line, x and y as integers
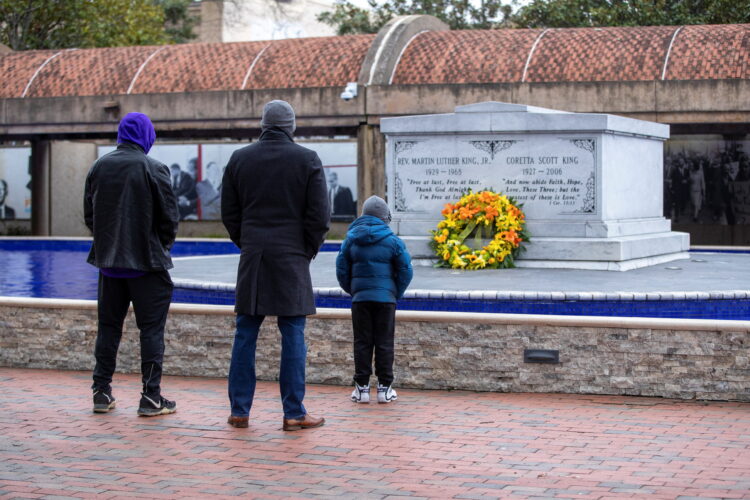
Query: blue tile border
{"type": "Point", "coordinates": [729, 305]}
{"type": "Point", "coordinates": [492, 295]}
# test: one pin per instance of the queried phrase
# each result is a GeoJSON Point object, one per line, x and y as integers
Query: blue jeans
{"type": "Point", "coordinates": [292, 372]}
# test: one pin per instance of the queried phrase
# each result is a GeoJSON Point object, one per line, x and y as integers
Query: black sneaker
{"type": "Point", "coordinates": [151, 407]}
{"type": "Point", "coordinates": [104, 402]}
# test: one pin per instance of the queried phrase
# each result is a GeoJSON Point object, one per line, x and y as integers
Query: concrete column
{"type": "Point", "coordinates": [69, 165]}
{"type": "Point", "coordinates": [40, 187]}
{"type": "Point", "coordinates": [210, 26]}
{"type": "Point", "coordinates": [370, 163]}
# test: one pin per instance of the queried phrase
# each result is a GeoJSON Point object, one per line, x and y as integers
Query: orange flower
{"type": "Point", "coordinates": [491, 212]}
{"type": "Point", "coordinates": [510, 236]}
{"type": "Point", "coordinates": [487, 197]}
{"type": "Point", "coordinates": [447, 209]}
{"type": "Point", "coordinates": [465, 213]}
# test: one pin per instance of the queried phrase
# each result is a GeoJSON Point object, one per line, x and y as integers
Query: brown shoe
{"type": "Point", "coordinates": [239, 422]}
{"type": "Point", "coordinates": [306, 422]}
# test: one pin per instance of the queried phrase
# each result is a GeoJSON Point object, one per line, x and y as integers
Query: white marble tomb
{"type": "Point", "coordinates": [591, 185]}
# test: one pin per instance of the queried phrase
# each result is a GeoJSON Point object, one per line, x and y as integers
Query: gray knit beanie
{"type": "Point", "coordinates": [377, 207]}
{"type": "Point", "coordinates": [278, 114]}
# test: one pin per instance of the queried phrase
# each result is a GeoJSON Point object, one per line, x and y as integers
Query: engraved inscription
{"type": "Point", "coordinates": [549, 175]}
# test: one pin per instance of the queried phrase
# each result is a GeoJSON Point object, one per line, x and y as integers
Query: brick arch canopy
{"type": "Point", "coordinates": [706, 52]}
{"type": "Point", "coordinates": [577, 55]}
{"type": "Point", "coordinates": [295, 63]}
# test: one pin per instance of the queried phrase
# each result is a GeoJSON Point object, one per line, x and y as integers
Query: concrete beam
{"type": "Point", "coordinates": [198, 112]}
{"type": "Point", "coordinates": [237, 113]}
{"type": "Point", "coordinates": [697, 101]}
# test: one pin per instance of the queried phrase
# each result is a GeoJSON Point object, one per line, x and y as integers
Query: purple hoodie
{"type": "Point", "coordinates": [138, 129]}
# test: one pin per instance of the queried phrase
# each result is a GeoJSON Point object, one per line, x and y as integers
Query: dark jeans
{"type": "Point", "coordinates": [150, 295]}
{"type": "Point", "coordinates": [373, 324]}
{"type": "Point", "coordinates": [291, 372]}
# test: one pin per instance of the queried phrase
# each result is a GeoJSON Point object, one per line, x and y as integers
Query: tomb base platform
{"type": "Point", "coordinates": [621, 253]}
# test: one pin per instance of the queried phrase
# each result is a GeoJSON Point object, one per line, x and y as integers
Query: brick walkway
{"type": "Point", "coordinates": [428, 444]}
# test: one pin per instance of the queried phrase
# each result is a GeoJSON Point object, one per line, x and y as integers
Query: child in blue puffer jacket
{"type": "Point", "coordinates": [373, 267]}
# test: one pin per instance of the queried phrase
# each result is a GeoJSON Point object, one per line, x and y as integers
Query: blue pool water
{"type": "Point", "coordinates": [58, 269]}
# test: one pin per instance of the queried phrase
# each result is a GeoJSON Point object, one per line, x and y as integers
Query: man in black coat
{"type": "Point", "coordinates": [132, 212]}
{"type": "Point", "coordinates": [340, 199]}
{"type": "Point", "coordinates": [183, 185]}
{"type": "Point", "coordinates": [274, 205]}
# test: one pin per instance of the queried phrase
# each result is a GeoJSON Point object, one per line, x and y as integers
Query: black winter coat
{"type": "Point", "coordinates": [274, 204]}
{"type": "Point", "coordinates": [130, 208]}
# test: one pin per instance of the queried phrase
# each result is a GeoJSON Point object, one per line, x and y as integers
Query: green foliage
{"type": "Point", "coordinates": [53, 24]}
{"type": "Point", "coordinates": [463, 14]}
{"type": "Point", "coordinates": [458, 14]}
{"type": "Point", "coordinates": [179, 24]}
{"type": "Point", "coordinates": [348, 18]}
{"type": "Point", "coordinates": [572, 13]}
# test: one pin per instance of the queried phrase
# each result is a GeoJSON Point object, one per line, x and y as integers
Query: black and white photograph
{"type": "Point", "coordinates": [197, 171]}
{"type": "Point", "coordinates": [339, 160]}
{"type": "Point", "coordinates": [15, 184]}
{"type": "Point", "coordinates": [707, 180]}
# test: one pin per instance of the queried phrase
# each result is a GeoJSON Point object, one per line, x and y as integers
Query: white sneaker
{"type": "Point", "coordinates": [361, 393]}
{"type": "Point", "coordinates": [386, 394]}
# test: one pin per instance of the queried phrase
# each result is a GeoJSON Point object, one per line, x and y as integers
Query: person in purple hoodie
{"type": "Point", "coordinates": [132, 213]}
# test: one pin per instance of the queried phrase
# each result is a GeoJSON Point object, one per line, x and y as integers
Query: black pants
{"type": "Point", "coordinates": [373, 324]}
{"type": "Point", "coordinates": [151, 295]}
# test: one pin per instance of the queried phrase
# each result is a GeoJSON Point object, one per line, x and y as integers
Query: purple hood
{"type": "Point", "coordinates": [138, 129]}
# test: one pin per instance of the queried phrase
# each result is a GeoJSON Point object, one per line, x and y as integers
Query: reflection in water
{"type": "Point", "coordinates": [58, 269]}
{"type": "Point", "coordinates": [44, 273]}
{"type": "Point", "coordinates": [16, 274]}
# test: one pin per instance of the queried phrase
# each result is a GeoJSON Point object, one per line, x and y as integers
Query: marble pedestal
{"type": "Point", "coordinates": [591, 184]}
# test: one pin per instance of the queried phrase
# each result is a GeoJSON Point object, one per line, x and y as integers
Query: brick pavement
{"type": "Point", "coordinates": [429, 444]}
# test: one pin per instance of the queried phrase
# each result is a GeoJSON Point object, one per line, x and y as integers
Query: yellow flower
{"type": "Point", "coordinates": [458, 262]}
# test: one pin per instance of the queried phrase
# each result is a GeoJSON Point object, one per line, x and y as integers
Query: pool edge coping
{"type": "Point", "coordinates": [434, 316]}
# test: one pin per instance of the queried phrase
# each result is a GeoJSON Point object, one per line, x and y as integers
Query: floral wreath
{"type": "Point", "coordinates": [490, 216]}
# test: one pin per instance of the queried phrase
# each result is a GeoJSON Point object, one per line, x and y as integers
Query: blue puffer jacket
{"type": "Point", "coordinates": [373, 264]}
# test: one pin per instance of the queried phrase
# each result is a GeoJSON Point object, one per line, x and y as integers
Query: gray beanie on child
{"type": "Point", "coordinates": [278, 114]}
{"type": "Point", "coordinates": [377, 207]}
